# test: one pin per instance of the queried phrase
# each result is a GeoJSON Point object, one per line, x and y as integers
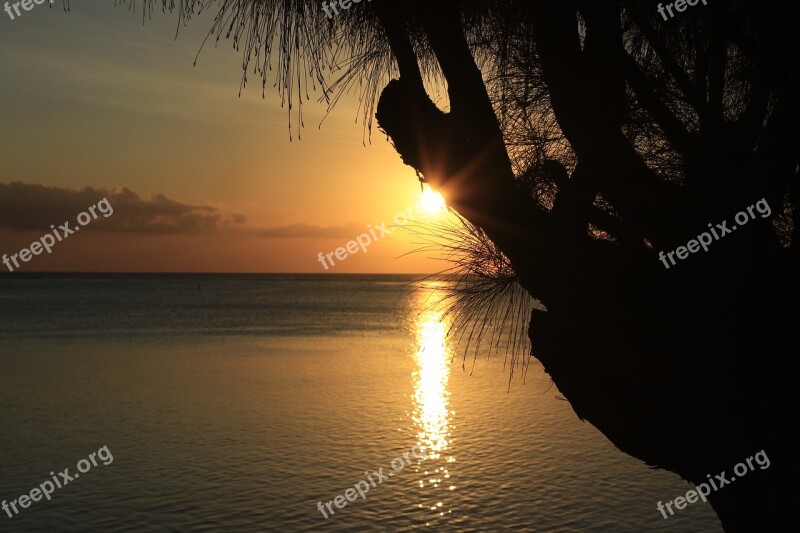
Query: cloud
{"type": "Point", "coordinates": [30, 207]}
{"type": "Point", "coordinates": [305, 231]}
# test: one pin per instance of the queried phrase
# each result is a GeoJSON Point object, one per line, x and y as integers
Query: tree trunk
{"type": "Point", "coordinates": [686, 369]}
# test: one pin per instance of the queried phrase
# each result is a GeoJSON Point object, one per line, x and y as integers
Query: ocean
{"type": "Point", "coordinates": [248, 402]}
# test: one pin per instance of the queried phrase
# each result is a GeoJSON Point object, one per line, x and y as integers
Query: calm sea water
{"type": "Point", "coordinates": [236, 403]}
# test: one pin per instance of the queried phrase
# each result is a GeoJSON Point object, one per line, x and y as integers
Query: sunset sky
{"type": "Point", "coordinates": [201, 180]}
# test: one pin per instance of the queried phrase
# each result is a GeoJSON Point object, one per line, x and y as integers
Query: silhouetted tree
{"type": "Point", "coordinates": [583, 137]}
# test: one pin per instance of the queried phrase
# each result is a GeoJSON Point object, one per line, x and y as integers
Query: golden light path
{"type": "Point", "coordinates": [431, 414]}
{"type": "Point", "coordinates": [431, 405]}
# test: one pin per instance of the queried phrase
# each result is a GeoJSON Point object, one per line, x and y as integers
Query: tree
{"type": "Point", "coordinates": [584, 137]}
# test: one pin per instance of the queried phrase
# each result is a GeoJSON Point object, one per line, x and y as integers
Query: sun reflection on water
{"type": "Point", "coordinates": [431, 409]}
{"type": "Point", "coordinates": [431, 396]}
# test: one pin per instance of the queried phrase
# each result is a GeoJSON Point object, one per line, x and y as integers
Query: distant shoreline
{"type": "Point", "coordinates": [248, 275]}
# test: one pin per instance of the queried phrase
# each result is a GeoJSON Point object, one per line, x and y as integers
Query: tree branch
{"type": "Point", "coordinates": [685, 85]}
{"type": "Point", "coordinates": [673, 129]}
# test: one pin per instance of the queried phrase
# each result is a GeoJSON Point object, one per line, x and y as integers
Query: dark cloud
{"type": "Point", "coordinates": [28, 207]}
{"type": "Point", "coordinates": [300, 231]}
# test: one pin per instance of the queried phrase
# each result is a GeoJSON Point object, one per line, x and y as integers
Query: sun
{"type": "Point", "coordinates": [432, 202]}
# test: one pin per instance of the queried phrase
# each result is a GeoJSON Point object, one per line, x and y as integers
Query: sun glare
{"type": "Point", "coordinates": [432, 202]}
